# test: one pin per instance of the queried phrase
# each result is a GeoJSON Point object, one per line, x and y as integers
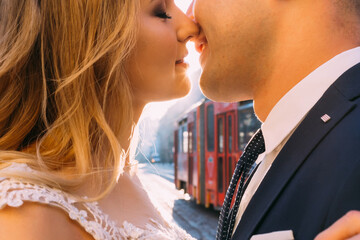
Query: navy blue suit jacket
{"type": "Point", "coordinates": [315, 179]}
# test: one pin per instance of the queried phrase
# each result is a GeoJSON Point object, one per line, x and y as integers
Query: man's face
{"type": "Point", "coordinates": [234, 43]}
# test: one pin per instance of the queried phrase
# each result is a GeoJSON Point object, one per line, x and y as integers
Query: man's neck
{"type": "Point", "coordinates": [299, 54]}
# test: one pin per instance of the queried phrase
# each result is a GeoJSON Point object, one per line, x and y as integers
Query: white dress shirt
{"type": "Point", "coordinates": [289, 112]}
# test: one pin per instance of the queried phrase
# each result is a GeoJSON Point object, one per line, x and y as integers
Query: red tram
{"type": "Point", "coordinates": [208, 142]}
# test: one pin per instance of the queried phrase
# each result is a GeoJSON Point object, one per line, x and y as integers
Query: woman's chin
{"type": "Point", "coordinates": [176, 93]}
{"type": "Point", "coordinates": [185, 88]}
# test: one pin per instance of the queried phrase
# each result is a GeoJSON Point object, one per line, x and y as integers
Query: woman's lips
{"type": "Point", "coordinates": [181, 63]}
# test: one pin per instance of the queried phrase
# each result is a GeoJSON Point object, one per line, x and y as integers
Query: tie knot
{"type": "Point", "coordinates": [256, 144]}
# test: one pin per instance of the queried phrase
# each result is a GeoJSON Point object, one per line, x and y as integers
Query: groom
{"type": "Point", "coordinates": [299, 61]}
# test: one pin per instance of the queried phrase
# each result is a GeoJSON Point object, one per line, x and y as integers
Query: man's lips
{"type": "Point", "coordinates": [200, 44]}
{"type": "Point", "coordinates": [199, 47]}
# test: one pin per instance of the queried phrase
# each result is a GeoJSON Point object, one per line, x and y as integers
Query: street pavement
{"type": "Point", "coordinates": [174, 205]}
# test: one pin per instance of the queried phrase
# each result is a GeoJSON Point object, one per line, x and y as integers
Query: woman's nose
{"type": "Point", "coordinates": [188, 28]}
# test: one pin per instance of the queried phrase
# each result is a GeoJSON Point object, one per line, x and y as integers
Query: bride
{"type": "Point", "coordinates": [74, 79]}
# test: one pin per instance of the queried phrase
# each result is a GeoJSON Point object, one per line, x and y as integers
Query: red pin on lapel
{"type": "Point", "coordinates": [325, 118]}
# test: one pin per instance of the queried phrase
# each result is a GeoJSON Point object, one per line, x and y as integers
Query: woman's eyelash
{"type": "Point", "coordinates": [163, 15]}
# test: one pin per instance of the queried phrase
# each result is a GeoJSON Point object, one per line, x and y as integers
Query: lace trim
{"type": "Point", "coordinates": [14, 192]}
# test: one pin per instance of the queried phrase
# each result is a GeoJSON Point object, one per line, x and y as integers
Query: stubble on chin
{"type": "Point", "coordinates": [225, 87]}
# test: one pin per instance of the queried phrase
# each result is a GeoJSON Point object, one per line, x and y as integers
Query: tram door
{"type": "Point", "coordinates": [177, 185]}
{"type": "Point", "coordinates": [220, 158]}
{"type": "Point", "coordinates": [230, 146]}
{"type": "Point", "coordinates": [226, 155]}
{"type": "Point", "coordinates": [191, 158]}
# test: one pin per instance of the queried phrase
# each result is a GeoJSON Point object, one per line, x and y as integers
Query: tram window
{"type": "Point", "coordinates": [185, 140]}
{"type": "Point", "coordinates": [175, 148]}
{"type": "Point", "coordinates": [241, 131]}
{"type": "Point", "coordinates": [248, 124]}
{"type": "Point", "coordinates": [230, 133]}
{"type": "Point", "coordinates": [220, 135]}
{"type": "Point", "coordinates": [194, 133]}
{"type": "Point", "coordinates": [210, 127]}
{"type": "Point", "coordinates": [180, 142]}
{"type": "Point", "coordinates": [190, 141]}
{"type": "Point", "coordinates": [230, 168]}
{"type": "Point", "coordinates": [254, 125]}
{"type": "Point", "coordinates": [248, 131]}
{"type": "Point", "coordinates": [220, 177]}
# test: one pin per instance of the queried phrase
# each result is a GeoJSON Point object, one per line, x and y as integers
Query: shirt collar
{"type": "Point", "coordinates": [295, 104]}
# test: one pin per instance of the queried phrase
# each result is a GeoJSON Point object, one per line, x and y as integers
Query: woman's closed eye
{"type": "Point", "coordinates": [160, 11]}
{"type": "Point", "coordinates": [163, 14]}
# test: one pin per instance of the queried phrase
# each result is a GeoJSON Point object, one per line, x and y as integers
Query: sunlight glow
{"type": "Point", "coordinates": [183, 4]}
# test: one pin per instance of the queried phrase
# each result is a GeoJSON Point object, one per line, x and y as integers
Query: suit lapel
{"type": "Point", "coordinates": [309, 133]}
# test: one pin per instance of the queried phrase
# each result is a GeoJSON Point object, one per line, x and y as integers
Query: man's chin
{"type": "Point", "coordinates": [209, 84]}
{"type": "Point", "coordinates": [219, 88]}
{"type": "Point", "coordinates": [213, 91]}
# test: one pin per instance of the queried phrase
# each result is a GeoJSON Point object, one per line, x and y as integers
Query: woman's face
{"type": "Point", "coordinates": [156, 68]}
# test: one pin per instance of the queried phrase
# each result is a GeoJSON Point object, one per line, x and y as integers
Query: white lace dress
{"type": "Point", "coordinates": [13, 193]}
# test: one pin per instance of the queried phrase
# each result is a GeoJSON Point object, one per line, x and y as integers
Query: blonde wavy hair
{"type": "Point", "coordinates": [65, 99]}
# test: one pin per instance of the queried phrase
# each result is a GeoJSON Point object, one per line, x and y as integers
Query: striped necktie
{"type": "Point", "coordinates": [242, 171]}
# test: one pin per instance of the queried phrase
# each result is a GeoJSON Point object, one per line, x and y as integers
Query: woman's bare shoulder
{"type": "Point", "coordinates": [39, 221]}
